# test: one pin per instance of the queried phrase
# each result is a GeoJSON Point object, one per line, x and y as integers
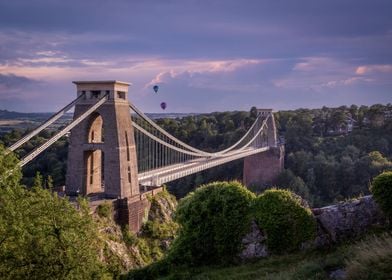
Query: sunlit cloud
{"type": "Point", "coordinates": [366, 69]}
{"type": "Point", "coordinates": [191, 69]}
{"type": "Point", "coordinates": [265, 51]}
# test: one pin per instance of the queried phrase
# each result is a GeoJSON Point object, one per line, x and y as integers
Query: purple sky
{"type": "Point", "coordinates": [205, 55]}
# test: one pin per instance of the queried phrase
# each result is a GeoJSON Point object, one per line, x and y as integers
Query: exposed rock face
{"type": "Point", "coordinates": [137, 254]}
{"type": "Point", "coordinates": [254, 244]}
{"type": "Point", "coordinates": [346, 219]}
{"type": "Point", "coordinates": [114, 248]}
{"type": "Point", "coordinates": [162, 207]}
{"type": "Point", "coordinates": [334, 224]}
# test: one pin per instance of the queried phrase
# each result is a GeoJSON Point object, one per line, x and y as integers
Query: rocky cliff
{"type": "Point", "coordinates": [124, 250]}
{"type": "Point", "coordinates": [335, 223]}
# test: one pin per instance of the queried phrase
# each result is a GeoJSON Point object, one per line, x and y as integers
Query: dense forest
{"type": "Point", "coordinates": [331, 153]}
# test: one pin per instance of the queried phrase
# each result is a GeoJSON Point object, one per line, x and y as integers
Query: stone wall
{"type": "Point", "coordinates": [335, 223]}
{"type": "Point", "coordinates": [262, 169]}
{"type": "Point", "coordinates": [133, 211]}
{"type": "Point", "coordinates": [345, 220]}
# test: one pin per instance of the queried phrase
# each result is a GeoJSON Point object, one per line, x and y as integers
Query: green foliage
{"type": "Point", "coordinates": [10, 173]}
{"type": "Point", "coordinates": [368, 259]}
{"type": "Point", "coordinates": [52, 162]}
{"type": "Point", "coordinates": [285, 221]}
{"type": "Point", "coordinates": [44, 236]}
{"type": "Point", "coordinates": [129, 238]}
{"type": "Point", "coordinates": [287, 180]}
{"type": "Point", "coordinates": [309, 265]}
{"type": "Point", "coordinates": [158, 230]}
{"type": "Point", "coordinates": [331, 163]}
{"type": "Point", "coordinates": [212, 221]}
{"type": "Point", "coordinates": [372, 260]}
{"type": "Point", "coordinates": [38, 180]}
{"type": "Point", "coordinates": [152, 242]}
{"type": "Point", "coordinates": [382, 192]}
{"type": "Point", "coordinates": [104, 210]}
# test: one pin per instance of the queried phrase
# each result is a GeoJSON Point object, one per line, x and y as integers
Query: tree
{"type": "Point", "coordinates": [43, 236]}
{"type": "Point", "coordinates": [287, 180]}
{"type": "Point", "coordinates": [210, 231]}
{"type": "Point", "coordinates": [10, 173]}
{"type": "Point", "coordinates": [285, 220]}
{"type": "Point", "coordinates": [382, 191]}
{"type": "Point", "coordinates": [299, 132]}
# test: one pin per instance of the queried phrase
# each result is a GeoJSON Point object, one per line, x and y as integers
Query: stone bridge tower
{"type": "Point", "coordinates": [101, 153]}
{"type": "Point", "coordinates": [262, 169]}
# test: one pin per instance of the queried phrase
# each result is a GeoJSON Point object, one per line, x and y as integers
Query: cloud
{"type": "Point", "coordinates": [240, 53]}
{"type": "Point", "coordinates": [329, 73]}
{"type": "Point", "coordinates": [367, 69]}
{"type": "Point", "coordinates": [11, 85]}
{"type": "Point", "coordinates": [309, 64]}
{"type": "Point", "coordinates": [11, 80]}
{"type": "Point", "coordinates": [191, 71]}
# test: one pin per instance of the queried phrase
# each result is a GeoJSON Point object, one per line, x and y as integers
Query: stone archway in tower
{"type": "Point", "coordinates": [94, 158]}
{"type": "Point", "coordinates": [95, 130]}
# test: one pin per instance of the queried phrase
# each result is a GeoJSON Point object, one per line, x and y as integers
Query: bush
{"type": "Point", "coordinates": [45, 237]}
{"type": "Point", "coordinates": [213, 220]}
{"type": "Point", "coordinates": [382, 192]}
{"type": "Point", "coordinates": [284, 219]}
{"type": "Point", "coordinates": [104, 210]}
{"type": "Point", "coordinates": [372, 260]}
{"type": "Point", "coordinates": [160, 230]}
{"type": "Point", "coordinates": [129, 238]}
{"type": "Point", "coordinates": [10, 172]}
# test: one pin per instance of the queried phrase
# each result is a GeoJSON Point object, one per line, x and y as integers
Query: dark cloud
{"type": "Point", "coordinates": [13, 82]}
{"type": "Point", "coordinates": [206, 28]}
{"type": "Point", "coordinates": [57, 40]}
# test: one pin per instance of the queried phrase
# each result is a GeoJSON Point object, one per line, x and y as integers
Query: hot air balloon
{"type": "Point", "coordinates": [163, 105]}
{"type": "Point", "coordinates": [156, 87]}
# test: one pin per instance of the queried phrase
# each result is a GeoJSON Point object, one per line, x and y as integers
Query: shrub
{"type": "Point", "coordinates": [104, 210]}
{"type": "Point", "coordinates": [45, 237]}
{"type": "Point", "coordinates": [382, 191]}
{"type": "Point", "coordinates": [10, 172]}
{"type": "Point", "coordinates": [213, 220]}
{"type": "Point", "coordinates": [129, 238]}
{"type": "Point", "coordinates": [284, 219]}
{"type": "Point", "coordinates": [160, 230]}
{"type": "Point", "coordinates": [372, 259]}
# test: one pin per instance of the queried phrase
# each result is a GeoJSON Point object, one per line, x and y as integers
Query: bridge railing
{"type": "Point", "coordinates": [158, 150]}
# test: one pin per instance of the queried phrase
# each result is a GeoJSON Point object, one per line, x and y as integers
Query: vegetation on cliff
{"type": "Point", "coordinates": [44, 236]}
{"type": "Point", "coordinates": [213, 220]}
{"type": "Point", "coordinates": [382, 191]}
{"type": "Point", "coordinates": [366, 259]}
{"type": "Point", "coordinates": [323, 165]}
{"type": "Point", "coordinates": [284, 219]}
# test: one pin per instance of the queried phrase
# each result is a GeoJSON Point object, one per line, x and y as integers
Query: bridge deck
{"type": "Point", "coordinates": [166, 174]}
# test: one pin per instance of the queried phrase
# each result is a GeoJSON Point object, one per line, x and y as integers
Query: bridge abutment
{"type": "Point", "coordinates": [132, 211]}
{"type": "Point", "coordinates": [261, 170]}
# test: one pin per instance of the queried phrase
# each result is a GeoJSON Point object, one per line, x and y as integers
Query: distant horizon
{"type": "Point", "coordinates": [200, 113]}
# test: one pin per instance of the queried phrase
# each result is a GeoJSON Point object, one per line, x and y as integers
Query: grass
{"type": "Point", "coordinates": [370, 258]}
{"type": "Point", "coordinates": [311, 265]}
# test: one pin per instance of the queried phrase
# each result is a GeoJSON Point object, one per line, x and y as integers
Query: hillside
{"type": "Point", "coordinates": [324, 161]}
{"type": "Point", "coordinates": [351, 260]}
{"type": "Point", "coordinates": [227, 232]}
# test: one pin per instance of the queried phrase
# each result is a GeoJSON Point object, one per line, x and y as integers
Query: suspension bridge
{"type": "Point", "coordinates": [117, 151]}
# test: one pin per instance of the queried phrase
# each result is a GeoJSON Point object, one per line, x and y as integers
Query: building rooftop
{"type": "Point", "coordinates": [101, 82]}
